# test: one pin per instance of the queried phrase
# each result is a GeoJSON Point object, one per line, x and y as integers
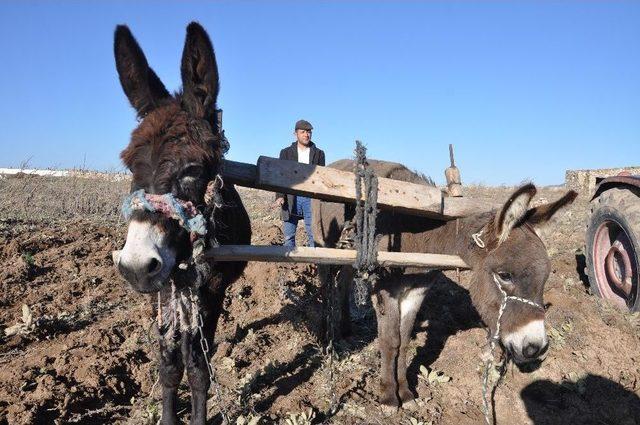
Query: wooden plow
{"type": "Point", "coordinates": [333, 185]}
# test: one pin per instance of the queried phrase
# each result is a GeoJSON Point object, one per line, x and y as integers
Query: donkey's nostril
{"type": "Point", "coordinates": [531, 351]}
{"type": "Point", "coordinates": [154, 267]}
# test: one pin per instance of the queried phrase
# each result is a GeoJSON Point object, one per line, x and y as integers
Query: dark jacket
{"type": "Point", "coordinates": [316, 157]}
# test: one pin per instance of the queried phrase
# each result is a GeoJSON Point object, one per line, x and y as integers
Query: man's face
{"type": "Point", "coordinates": [303, 136]}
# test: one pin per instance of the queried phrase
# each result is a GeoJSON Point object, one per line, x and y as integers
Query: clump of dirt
{"type": "Point", "coordinates": [90, 355]}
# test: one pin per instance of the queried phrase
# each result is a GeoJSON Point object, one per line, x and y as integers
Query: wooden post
{"type": "Point", "coordinates": [452, 174]}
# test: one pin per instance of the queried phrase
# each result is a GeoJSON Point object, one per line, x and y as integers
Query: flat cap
{"type": "Point", "coordinates": [304, 125]}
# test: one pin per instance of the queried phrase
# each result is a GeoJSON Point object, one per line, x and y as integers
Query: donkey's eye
{"type": "Point", "coordinates": [505, 276]}
{"type": "Point", "coordinates": [193, 171]}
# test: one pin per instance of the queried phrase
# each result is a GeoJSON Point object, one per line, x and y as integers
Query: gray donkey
{"type": "Point", "coordinates": [508, 261]}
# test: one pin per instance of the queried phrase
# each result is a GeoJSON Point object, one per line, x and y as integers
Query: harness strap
{"type": "Point", "coordinates": [506, 298]}
{"type": "Point", "coordinates": [477, 238]}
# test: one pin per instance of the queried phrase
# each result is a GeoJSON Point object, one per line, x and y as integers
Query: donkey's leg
{"type": "Point", "coordinates": [171, 369]}
{"type": "Point", "coordinates": [341, 326]}
{"type": "Point", "coordinates": [198, 376]}
{"type": "Point", "coordinates": [325, 273]}
{"type": "Point", "coordinates": [344, 285]}
{"type": "Point", "coordinates": [409, 306]}
{"type": "Point", "coordinates": [388, 315]}
{"type": "Point", "coordinates": [196, 361]}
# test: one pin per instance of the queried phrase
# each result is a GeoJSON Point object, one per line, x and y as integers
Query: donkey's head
{"type": "Point", "coordinates": [176, 150]}
{"type": "Point", "coordinates": [514, 265]}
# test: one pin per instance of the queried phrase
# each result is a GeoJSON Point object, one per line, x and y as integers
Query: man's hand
{"type": "Point", "coordinates": [279, 202]}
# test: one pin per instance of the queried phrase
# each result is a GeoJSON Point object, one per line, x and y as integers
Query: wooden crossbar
{"type": "Point", "coordinates": [281, 254]}
{"type": "Point", "coordinates": [329, 184]}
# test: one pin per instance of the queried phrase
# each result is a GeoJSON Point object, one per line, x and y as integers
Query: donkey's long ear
{"type": "Point", "coordinates": [199, 74]}
{"type": "Point", "coordinates": [141, 85]}
{"type": "Point", "coordinates": [543, 213]}
{"type": "Point", "coordinates": [514, 211]}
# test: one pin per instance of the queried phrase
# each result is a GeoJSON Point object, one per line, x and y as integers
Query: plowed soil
{"type": "Point", "coordinates": [89, 355]}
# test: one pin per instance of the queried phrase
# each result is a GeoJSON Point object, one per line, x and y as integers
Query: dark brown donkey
{"type": "Point", "coordinates": [175, 155]}
{"type": "Point", "coordinates": [506, 257]}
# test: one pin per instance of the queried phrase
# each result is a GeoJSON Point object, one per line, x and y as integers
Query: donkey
{"type": "Point", "coordinates": [175, 156]}
{"type": "Point", "coordinates": [506, 257]}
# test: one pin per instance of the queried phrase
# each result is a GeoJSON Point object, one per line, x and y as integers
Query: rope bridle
{"type": "Point", "coordinates": [495, 338]}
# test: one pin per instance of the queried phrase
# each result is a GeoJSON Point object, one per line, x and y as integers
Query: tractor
{"type": "Point", "coordinates": [613, 241]}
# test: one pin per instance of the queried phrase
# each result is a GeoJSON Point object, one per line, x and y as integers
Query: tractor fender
{"type": "Point", "coordinates": [621, 180]}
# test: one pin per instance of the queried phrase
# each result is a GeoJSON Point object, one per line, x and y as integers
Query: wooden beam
{"type": "Point", "coordinates": [333, 185]}
{"type": "Point", "coordinates": [239, 173]}
{"type": "Point", "coordinates": [339, 186]}
{"type": "Point", "coordinates": [281, 254]}
{"type": "Point", "coordinates": [454, 207]}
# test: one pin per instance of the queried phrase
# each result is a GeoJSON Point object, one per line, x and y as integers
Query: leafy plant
{"type": "Point", "coordinates": [304, 418]}
{"type": "Point", "coordinates": [574, 383]}
{"type": "Point", "coordinates": [559, 335]}
{"type": "Point", "coordinates": [433, 376]}
{"type": "Point", "coordinates": [249, 420]}
{"type": "Point", "coordinates": [250, 381]}
{"type": "Point", "coordinates": [26, 325]}
{"type": "Point", "coordinates": [414, 421]}
{"type": "Point", "coordinates": [152, 414]}
{"type": "Point", "coordinates": [28, 258]}
{"type": "Point", "coordinates": [633, 319]}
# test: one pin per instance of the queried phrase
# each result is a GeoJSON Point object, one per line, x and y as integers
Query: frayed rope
{"type": "Point", "coordinates": [184, 212]}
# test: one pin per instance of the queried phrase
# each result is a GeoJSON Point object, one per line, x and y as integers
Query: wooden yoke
{"type": "Point", "coordinates": [333, 185]}
{"type": "Point", "coordinates": [276, 253]}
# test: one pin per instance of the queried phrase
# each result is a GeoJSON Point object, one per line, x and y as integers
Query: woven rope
{"type": "Point", "coordinates": [366, 240]}
{"type": "Point", "coordinates": [184, 212]}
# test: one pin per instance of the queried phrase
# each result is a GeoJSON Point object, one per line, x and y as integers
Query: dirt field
{"type": "Point", "coordinates": [89, 354]}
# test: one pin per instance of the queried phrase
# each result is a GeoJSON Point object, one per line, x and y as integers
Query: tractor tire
{"type": "Point", "coordinates": [613, 247]}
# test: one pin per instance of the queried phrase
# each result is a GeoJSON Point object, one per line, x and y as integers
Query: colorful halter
{"type": "Point", "coordinates": [184, 212]}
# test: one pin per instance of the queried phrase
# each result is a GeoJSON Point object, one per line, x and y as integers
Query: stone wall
{"type": "Point", "coordinates": [584, 181]}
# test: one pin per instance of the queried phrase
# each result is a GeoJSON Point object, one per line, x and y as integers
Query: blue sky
{"type": "Point", "coordinates": [524, 90]}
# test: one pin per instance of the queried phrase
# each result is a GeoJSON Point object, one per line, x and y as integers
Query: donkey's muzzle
{"type": "Point", "coordinates": [527, 343]}
{"type": "Point", "coordinates": [534, 350]}
{"type": "Point", "coordinates": [146, 260]}
{"type": "Point", "coordinates": [141, 273]}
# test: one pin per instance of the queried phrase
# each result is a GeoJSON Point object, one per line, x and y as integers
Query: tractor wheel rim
{"type": "Point", "coordinates": [613, 263]}
{"type": "Point", "coordinates": [618, 267]}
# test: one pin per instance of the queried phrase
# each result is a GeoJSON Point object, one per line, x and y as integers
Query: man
{"type": "Point", "coordinates": [293, 208]}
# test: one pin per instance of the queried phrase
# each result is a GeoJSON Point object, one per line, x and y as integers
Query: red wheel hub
{"type": "Point", "coordinates": [618, 266]}
{"type": "Point", "coordinates": [613, 263]}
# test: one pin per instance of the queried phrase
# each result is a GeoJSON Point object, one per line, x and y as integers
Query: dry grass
{"type": "Point", "coordinates": [34, 198]}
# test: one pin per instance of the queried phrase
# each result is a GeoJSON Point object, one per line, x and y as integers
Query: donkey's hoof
{"type": "Point", "coordinates": [388, 410]}
{"type": "Point", "coordinates": [410, 405]}
{"type": "Point", "coordinates": [406, 395]}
